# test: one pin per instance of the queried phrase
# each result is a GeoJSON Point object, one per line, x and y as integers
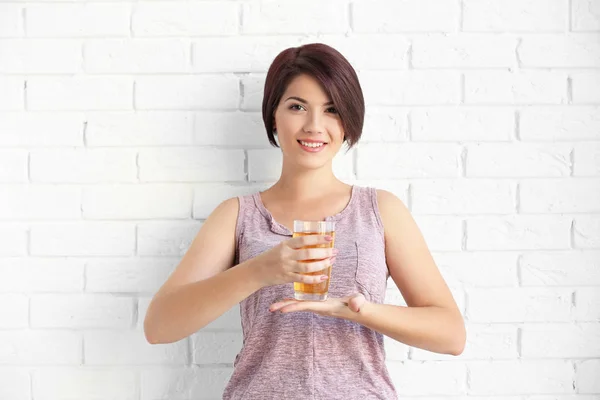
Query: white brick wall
{"type": "Point", "coordinates": [124, 123]}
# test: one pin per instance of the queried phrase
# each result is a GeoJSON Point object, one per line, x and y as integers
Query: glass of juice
{"type": "Point", "coordinates": [314, 291]}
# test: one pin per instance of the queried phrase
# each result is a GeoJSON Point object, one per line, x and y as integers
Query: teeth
{"type": "Point", "coordinates": [311, 144]}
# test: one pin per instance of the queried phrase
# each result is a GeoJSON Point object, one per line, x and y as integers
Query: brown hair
{"type": "Point", "coordinates": [332, 70]}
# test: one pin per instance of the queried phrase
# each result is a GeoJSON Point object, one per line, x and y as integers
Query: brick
{"type": "Point", "coordinates": [521, 377]}
{"type": "Point", "coordinates": [559, 124]}
{"type": "Point", "coordinates": [478, 269]}
{"type": "Point", "coordinates": [573, 268]}
{"type": "Point", "coordinates": [518, 232]}
{"type": "Point", "coordinates": [81, 311]}
{"type": "Point", "coordinates": [239, 129]}
{"type": "Point", "coordinates": [79, 93]}
{"type": "Point", "coordinates": [441, 233]}
{"type": "Point", "coordinates": [41, 129]}
{"type": "Point", "coordinates": [395, 350]}
{"type": "Point", "coordinates": [14, 312]}
{"type": "Point", "coordinates": [131, 348]}
{"type": "Point", "coordinates": [411, 378]}
{"type": "Point", "coordinates": [462, 124]}
{"type": "Point", "coordinates": [83, 239]}
{"type": "Point", "coordinates": [229, 321]}
{"type": "Point", "coordinates": [15, 383]}
{"type": "Point", "coordinates": [83, 166]}
{"type": "Point", "coordinates": [13, 166]}
{"type": "Point", "coordinates": [48, 56]}
{"type": "Point", "coordinates": [80, 382]}
{"type": "Point", "coordinates": [584, 85]}
{"type": "Point", "coordinates": [123, 202]}
{"type": "Point", "coordinates": [514, 15]}
{"type": "Point", "coordinates": [463, 50]}
{"type": "Point", "coordinates": [286, 18]}
{"type": "Point", "coordinates": [527, 160]}
{"type": "Point", "coordinates": [587, 304]}
{"type": "Point", "coordinates": [415, 87]}
{"type": "Point", "coordinates": [555, 51]}
{"type": "Point", "coordinates": [199, 383]}
{"type": "Point", "coordinates": [78, 20]}
{"type": "Point", "coordinates": [512, 305]}
{"type": "Point", "coordinates": [179, 18]}
{"type": "Point", "coordinates": [357, 50]}
{"type": "Point", "coordinates": [406, 16]}
{"type": "Point", "coordinates": [264, 165]}
{"type": "Point", "coordinates": [11, 22]}
{"type": "Point", "coordinates": [568, 195]}
{"type": "Point", "coordinates": [27, 347]}
{"type": "Point", "coordinates": [239, 53]}
{"type": "Point", "coordinates": [215, 347]}
{"type": "Point", "coordinates": [253, 88]}
{"type": "Point", "coordinates": [166, 238]}
{"type": "Point", "coordinates": [586, 232]}
{"type": "Point", "coordinates": [13, 239]}
{"type": "Point", "coordinates": [34, 275]}
{"type": "Point", "coordinates": [13, 93]}
{"type": "Point", "coordinates": [586, 379]}
{"type": "Point", "coordinates": [463, 197]}
{"type": "Point", "coordinates": [137, 56]}
{"type": "Point", "coordinates": [385, 125]}
{"type": "Point", "coordinates": [162, 128]}
{"type": "Point", "coordinates": [186, 92]}
{"type": "Point", "coordinates": [523, 87]}
{"type": "Point", "coordinates": [497, 342]}
{"type": "Point", "coordinates": [140, 275]}
{"type": "Point", "coordinates": [47, 202]}
{"type": "Point", "coordinates": [208, 197]}
{"type": "Point", "coordinates": [585, 15]}
{"type": "Point", "coordinates": [191, 165]}
{"type": "Point", "coordinates": [415, 160]}
{"type": "Point", "coordinates": [560, 341]}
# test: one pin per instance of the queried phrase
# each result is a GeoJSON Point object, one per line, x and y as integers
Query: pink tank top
{"type": "Point", "coordinates": [303, 355]}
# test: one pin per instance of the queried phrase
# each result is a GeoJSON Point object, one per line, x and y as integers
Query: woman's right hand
{"type": "Point", "coordinates": [284, 262]}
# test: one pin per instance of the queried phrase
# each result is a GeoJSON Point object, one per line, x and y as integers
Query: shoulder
{"type": "Point", "coordinates": [391, 208]}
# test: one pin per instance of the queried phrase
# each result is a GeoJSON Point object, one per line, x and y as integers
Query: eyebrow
{"type": "Point", "coordinates": [301, 100]}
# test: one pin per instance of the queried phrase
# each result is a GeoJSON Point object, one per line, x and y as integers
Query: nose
{"type": "Point", "coordinates": [313, 124]}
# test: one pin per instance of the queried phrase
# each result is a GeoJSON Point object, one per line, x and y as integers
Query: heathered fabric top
{"type": "Point", "coordinates": [303, 355]}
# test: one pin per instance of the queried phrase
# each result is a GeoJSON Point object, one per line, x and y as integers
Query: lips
{"type": "Point", "coordinates": [312, 146]}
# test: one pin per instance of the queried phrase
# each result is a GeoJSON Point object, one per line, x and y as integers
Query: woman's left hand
{"type": "Point", "coordinates": [332, 307]}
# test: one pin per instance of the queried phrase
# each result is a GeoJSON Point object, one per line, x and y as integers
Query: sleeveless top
{"type": "Point", "coordinates": [303, 355]}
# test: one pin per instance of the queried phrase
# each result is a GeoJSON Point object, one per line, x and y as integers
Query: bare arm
{"type": "Point", "coordinates": [203, 277]}
{"type": "Point", "coordinates": [432, 320]}
{"type": "Point", "coordinates": [204, 286]}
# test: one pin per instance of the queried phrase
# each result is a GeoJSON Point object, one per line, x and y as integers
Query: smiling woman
{"type": "Point", "coordinates": [245, 253]}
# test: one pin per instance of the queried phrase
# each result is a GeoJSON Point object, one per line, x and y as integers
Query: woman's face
{"type": "Point", "coordinates": [309, 130]}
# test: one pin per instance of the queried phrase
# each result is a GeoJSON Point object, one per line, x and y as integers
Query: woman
{"type": "Point", "coordinates": [244, 253]}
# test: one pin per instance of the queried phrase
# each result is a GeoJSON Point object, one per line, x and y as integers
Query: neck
{"type": "Point", "coordinates": [305, 184]}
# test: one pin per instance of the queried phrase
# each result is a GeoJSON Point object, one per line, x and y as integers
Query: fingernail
{"type": "Point", "coordinates": [328, 238]}
{"type": "Point", "coordinates": [324, 277]}
{"type": "Point", "coordinates": [335, 251]}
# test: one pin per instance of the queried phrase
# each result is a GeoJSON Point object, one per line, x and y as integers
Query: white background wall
{"type": "Point", "coordinates": [124, 123]}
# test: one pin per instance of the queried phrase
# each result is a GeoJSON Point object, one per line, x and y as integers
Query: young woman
{"type": "Point", "coordinates": [245, 253]}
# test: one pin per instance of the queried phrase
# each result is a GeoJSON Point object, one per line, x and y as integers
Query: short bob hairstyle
{"type": "Point", "coordinates": [332, 70]}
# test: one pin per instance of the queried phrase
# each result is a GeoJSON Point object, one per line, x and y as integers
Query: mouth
{"type": "Point", "coordinates": [312, 147]}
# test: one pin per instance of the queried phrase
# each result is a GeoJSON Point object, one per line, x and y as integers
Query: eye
{"type": "Point", "coordinates": [293, 107]}
{"type": "Point", "coordinates": [332, 110]}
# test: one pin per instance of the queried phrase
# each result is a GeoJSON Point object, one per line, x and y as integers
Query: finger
{"type": "Point", "coordinates": [316, 266]}
{"type": "Point", "coordinates": [314, 254]}
{"type": "Point", "coordinates": [309, 240]}
{"type": "Point", "coordinates": [311, 279]}
{"type": "Point", "coordinates": [356, 302]}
